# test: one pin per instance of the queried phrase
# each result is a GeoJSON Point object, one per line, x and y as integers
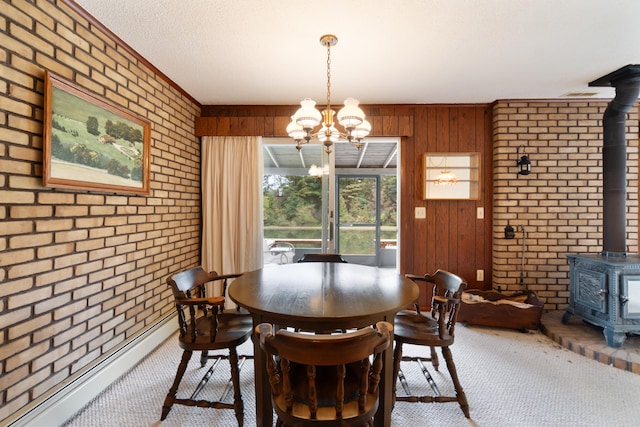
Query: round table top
{"type": "Point", "coordinates": [320, 295]}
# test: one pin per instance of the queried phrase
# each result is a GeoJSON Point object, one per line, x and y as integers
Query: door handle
{"type": "Point", "coordinates": [602, 294]}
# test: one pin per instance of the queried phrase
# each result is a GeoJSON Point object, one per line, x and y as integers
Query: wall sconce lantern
{"type": "Point", "coordinates": [524, 164]}
{"type": "Point", "coordinates": [509, 232]}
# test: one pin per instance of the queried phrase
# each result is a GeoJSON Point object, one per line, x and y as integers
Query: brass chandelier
{"type": "Point", "coordinates": [302, 127]}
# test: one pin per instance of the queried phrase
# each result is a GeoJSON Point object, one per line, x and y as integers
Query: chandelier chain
{"type": "Point", "coordinates": [328, 76]}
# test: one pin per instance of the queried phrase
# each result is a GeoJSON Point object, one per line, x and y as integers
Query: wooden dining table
{"type": "Point", "coordinates": [319, 297]}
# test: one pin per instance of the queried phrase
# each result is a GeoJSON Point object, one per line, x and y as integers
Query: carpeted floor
{"type": "Point", "coordinates": [511, 379]}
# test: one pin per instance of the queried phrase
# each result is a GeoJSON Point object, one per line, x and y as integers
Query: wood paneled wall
{"type": "Point", "coordinates": [451, 237]}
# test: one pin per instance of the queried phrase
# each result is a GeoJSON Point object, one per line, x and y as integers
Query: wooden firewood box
{"type": "Point", "coordinates": [490, 308]}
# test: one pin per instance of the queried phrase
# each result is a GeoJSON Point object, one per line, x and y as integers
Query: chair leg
{"type": "Point", "coordinates": [397, 358]}
{"type": "Point", "coordinates": [434, 359]}
{"type": "Point", "coordinates": [204, 357]}
{"type": "Point", "coordinates": [462, 398]}
{"type": "Point", "coordinates": [238, 404]}
{"type": "Point", "coordinates": [171, 396]}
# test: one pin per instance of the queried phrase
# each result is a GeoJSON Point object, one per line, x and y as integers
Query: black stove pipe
{"type": "Point", "coordinates": [614, 160]}
{"type": "Point", "coordinates": [614, 157]}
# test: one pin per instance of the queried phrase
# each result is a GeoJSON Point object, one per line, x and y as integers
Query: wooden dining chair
{"type": "Point", "coordinates": [325, 380]}
{"type": "Point", "coordinates": [322, 258]}
{"type": "Point", "coordinates": [433, 329]}
{"type": "Point", "coordinates": [205, 326]}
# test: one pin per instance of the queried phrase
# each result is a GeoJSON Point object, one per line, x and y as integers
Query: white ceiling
{"type": "Point", "coordinates": [267, 52]}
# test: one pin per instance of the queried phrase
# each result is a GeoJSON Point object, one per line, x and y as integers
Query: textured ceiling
{"type": "Point", "coordinates": [267, 52]}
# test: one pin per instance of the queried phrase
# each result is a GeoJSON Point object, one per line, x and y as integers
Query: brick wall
{"type": "Point", "coordinates": [82, 272]}
{"type": "Point", "coordinates": [560, 202]}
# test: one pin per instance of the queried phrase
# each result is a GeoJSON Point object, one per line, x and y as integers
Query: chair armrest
{"type": "Point", "coordinates": [415, 277]}
{"type": "Point", "coordinates": [198, 301]}
{"type": "Point", "coordinates": [263, 329]}
{"type": "Point", "coordinates": [228, 276]}
{"type": "Point", "coordinates": [437, 299]}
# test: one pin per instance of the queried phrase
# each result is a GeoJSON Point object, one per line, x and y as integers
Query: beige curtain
{"type": "Point", "coordinates": [232, 236]}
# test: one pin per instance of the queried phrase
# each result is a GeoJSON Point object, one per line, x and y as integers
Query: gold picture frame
{"type": "Point", "coordinates": [92, 144]}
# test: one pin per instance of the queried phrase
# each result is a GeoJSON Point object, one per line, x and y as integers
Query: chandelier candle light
{"type": "Point", "coordinates": [307, 118]}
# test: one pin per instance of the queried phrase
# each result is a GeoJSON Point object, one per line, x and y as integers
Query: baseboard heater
{"type": "Point", "coordinates": [62, 402]}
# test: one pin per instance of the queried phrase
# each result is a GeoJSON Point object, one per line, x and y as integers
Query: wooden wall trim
{"type": "Point", "coordinates": [276, 125]}
{"type": "Point", "coordinates": [255, 120]}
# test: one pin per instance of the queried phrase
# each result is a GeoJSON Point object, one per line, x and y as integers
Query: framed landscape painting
{"type": "Point", "coordinates": [92, 144]}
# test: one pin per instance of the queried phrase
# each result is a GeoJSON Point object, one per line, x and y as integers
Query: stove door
{"type": "Point", "coordinates": [630, 297]}
{"type": "Point", "coordinates": [591, 289]}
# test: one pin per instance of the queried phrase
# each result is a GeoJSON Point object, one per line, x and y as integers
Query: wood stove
{"type": "Point", "coordinates": [605, 291]}
{"type": "Point", "coordinates": [605, 288]}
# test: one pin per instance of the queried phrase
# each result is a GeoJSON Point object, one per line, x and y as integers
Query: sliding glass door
{"type": "Point", "coordinates": [358, 218]}
{"type": "Point", "coordinates": [343, 202]}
